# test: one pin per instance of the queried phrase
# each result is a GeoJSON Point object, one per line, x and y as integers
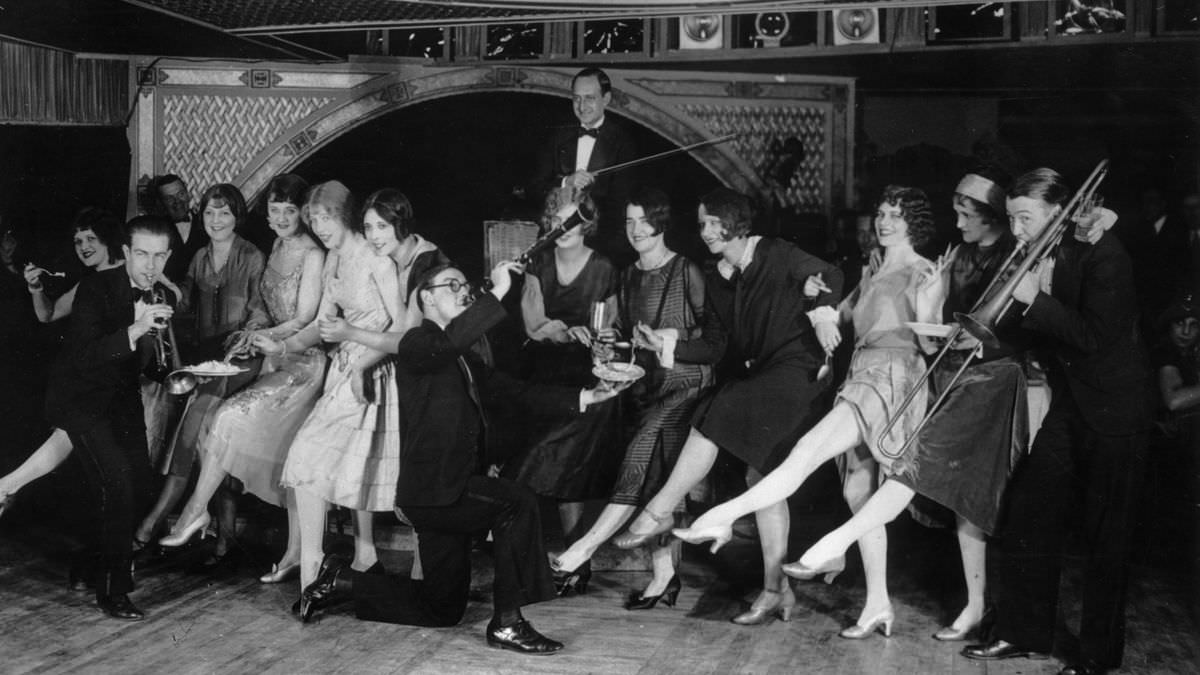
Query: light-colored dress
{"type": "Point", "coordinates": [252, 431]}
{"type": "Point", "coordinates": [349, 452]}
{"type": "Point", "coordinates": [887, 362]}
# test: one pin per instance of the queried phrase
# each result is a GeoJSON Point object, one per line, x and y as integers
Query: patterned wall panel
{"type": "Point", "coordinates": [208, 138]}
{"type": "Point", "coordinates": [762, 128]}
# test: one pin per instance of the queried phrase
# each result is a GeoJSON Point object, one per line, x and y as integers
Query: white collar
{"type": "Point", "coordinates": [726, 269]}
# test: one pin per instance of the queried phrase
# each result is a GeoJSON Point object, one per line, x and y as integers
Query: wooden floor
{"type": "Point", "coordinates": [236, 625]}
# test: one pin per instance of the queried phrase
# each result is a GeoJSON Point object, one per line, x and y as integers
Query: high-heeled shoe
{"type": "Point", "coordinates": [781, 602]}
{"type": "Point", "coordinates": [181, 537]}
{"type": "Point", "coordinates": [575, 581]}
{"type": "Point", "coordinates": [952, 634]}
{"type": "Point", "coordinates": [719, 535]}
{"type": "Point", "coordinates": [639, 599]}
{"type": "Point", "coordinates": [630, 539]}
{"type": "Point", "coordinates": [830, 569]}
{"type": "Point", "coordinates": [882, 621]}
{"type": "Point", "coordinates": [278, 574]}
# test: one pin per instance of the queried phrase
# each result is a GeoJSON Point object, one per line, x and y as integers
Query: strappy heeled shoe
{"type": "Point", "coordinates": [882, 622]}
{"type": "Point", "coordinates": [952, 634]}
{"type": "Point", "coordinates": [719, 535]}
{"type": "Point", "coordinates": [278, 574]}
{"type": "Point", "coordinates": [575, 581]}
{"type": "Point", "coordinates": [782, 602]}
{"type": "Point", "coordinates": [184, 535]}
{"type": "Point", "coordinates": [639, 599]}
{"type": "Point", "coordinates": [630, 539]}
{"type": "Point", "coordinates": [830, 569]}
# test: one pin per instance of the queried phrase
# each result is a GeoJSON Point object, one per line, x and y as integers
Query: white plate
{"type": "Point", "coordinates": [940, 330]}
{"type": "Point", "coordinates": [618, 371]}
{"type": "Point", "coordinates": [197, 370]}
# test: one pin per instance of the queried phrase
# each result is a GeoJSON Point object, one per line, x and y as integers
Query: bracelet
{"type": "Point", "coordinates": [283, 347]}
{"type": "Point", "coordinates": [35, 289]}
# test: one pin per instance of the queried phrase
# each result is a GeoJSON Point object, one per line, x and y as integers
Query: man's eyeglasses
{"type": "Point", "coordinates": [454, 285]}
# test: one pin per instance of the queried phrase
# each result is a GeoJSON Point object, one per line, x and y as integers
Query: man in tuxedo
{"type": "Point", "coordinates": [187, 234]}
{"type": "Point", "coordinates": [445, 391]}
{"type": "Point", "coordinates": [576, 153]}
{"type": "Point", "coordinates": [94, 395]}
{"type": "Point", "coordinates": [1089, 454]}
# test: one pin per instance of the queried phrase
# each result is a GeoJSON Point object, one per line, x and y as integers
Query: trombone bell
{"type": "Point", "coordinates": [980, 328]}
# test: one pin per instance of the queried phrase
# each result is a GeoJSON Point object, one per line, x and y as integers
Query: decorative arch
{"type": "Point", "coordinates": [232, 123]}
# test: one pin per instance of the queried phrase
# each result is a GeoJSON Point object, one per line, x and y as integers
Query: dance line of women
{"type": "Point", "coordinates": [317, 426]}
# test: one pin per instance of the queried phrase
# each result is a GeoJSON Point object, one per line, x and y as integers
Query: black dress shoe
{"type": "Point", "coordinates": [331, 586]}
{"type": "Point", "coordinates": [520, 637]}
{"type": "Point", "coordinates": [1083, 668]}
{"type": "Point", "coordinates": [999, 649]}
{"type": "Point", "coordinates": [119, 607]}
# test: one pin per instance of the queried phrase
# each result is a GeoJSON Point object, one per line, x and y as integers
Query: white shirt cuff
{"type": "Point", "coordinates": [666, 358]}
{"type": "Point", "coordinates": [582, 405]}
{"type": "Point", "coordinates": [823, 313]}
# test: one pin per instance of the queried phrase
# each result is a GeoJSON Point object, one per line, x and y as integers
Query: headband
{"type": "Point", "coordinates": [982, 190]}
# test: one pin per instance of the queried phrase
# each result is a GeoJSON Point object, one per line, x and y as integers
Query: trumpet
{"type": "Point", "coordinates": [993, 303]}
{"type": "Point", "coordinates": [178, 381]}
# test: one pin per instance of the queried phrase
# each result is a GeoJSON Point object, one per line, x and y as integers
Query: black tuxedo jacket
{"type": "Point", "coordinates": [182, 251]}
{"type": "Point", "coordinates": [613, 146]}
{"type": "Point", "coordinates": [96, 369]}
{"type": "Point", "coordinates": [1091, 318]}
{"type": "Point", "coordinates": [445, 391]}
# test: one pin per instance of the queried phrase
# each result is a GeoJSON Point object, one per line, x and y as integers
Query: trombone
{"type": "Point", "coordinates": [985, 315]}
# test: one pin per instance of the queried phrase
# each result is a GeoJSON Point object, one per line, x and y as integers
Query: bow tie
{"type": "Point", "coordinates": [145, 295]}
{"type": "Point", "coordinates": [584, 131]}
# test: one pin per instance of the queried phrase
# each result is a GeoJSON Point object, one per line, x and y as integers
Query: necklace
{"type": "Point", "coordinates": [657, 264]}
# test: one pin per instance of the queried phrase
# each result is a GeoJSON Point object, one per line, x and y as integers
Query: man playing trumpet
{"type": "Point", "coordinates": [94, 396]}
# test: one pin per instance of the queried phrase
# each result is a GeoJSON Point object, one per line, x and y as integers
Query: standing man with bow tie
{"type": "Point", "coordinates": [94, 394]}
{"type": "Point", "coordinates": [576, 153]}
{"type": "Point", "coordinates": [174, 201]}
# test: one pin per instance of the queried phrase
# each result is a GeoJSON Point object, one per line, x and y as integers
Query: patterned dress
{"type": "Point", "coordinates": [252, 431]}
{"type": "Point", "coordinates": [349, 452]}
{"type": "Point", "coordinates": [670, 296]}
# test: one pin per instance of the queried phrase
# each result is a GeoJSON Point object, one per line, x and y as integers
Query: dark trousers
{"type": "Point", "coordinates": [117, 466]}
{"type": "Point", "coordinates": [1070, 468]}
{"type": "Point", "coordinates": [444, 534]}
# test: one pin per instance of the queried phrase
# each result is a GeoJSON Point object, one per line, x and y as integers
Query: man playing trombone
{"type": "Point", "coordinates": [1091, 444]}
{"type": "Point", "coordinates": [94, 396]}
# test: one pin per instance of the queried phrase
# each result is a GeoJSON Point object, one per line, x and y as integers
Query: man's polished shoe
{"type": "Point", "coordinates": [520, 637]}
{"type": "Point", "coordinates": [327, 589]}
{"type": "Point", "coordinates": [997, 650]}
{"type": "Point", "coordinates": [1083, 668]}
{"type": "Point", "coordinates": [119, 607]}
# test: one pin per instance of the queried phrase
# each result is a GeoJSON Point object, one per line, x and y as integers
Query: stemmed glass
{"type": "Point", "coordinates": [1087, 215]}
